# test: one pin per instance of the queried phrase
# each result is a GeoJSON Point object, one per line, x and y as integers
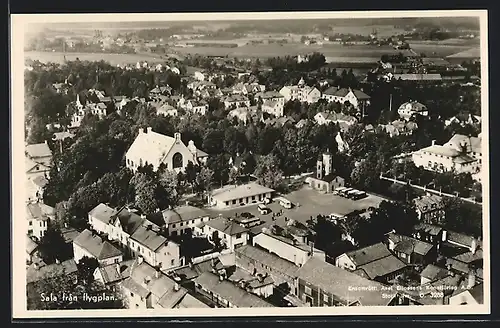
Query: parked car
{"type": "Point", "coordinates": [263, 209]}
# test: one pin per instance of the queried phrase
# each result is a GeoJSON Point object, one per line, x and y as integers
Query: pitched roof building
{"type": "Point", "coordinates": [90, 244]}
{"type": "Point", "coordinates": [152, 148]}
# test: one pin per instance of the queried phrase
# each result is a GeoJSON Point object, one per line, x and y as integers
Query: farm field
{"type": "Point", "coordinates": [438, 50]}
{"type": "Point", "coordinates": [113, 59]}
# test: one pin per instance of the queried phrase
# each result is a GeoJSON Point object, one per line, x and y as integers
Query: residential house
{"type": "Point", "coordinates": [160, 90]}
{"type": "Point", "coordinates": [196, 106]}
{"type": "Point", "coordinates": [236, 101]}
{"type": "Point", "coordinates": [210, 93]}
{"type": "Point", "coordinates": [301, 92]}
{"type": "Point", "coordinates": [429, 233]}
{"type": "Point", "coordinates": [398, 127]}
{"type": "Point", "coordinates": [149, 288]}
{"type": "Point", "coordinates": [200, 76]}
{"type": "Point", "coordinates": [325, 180]}
{"type": "Point", "coordinates": [39, 153]}
{"type": "Point", "coordinates": [277, 241]}
{"type": "Point", "coordinates": [228, 232]}
{"type": "Point", "coordinates": [411, 250]}
{"type": "Point", "coordinates": [356, 98]}
{"type": "Point", "coordinates": [248, 88]}
{"type": "Point", "coordinates": [373, 262]}
{"type": "Point", "coordinates": [223, 293]}
{"type": "Point", "coordinates": [412, 108]}
{"type": "Point", "coordinates": [430, 209]}
{"type": "Point", "coordinates": [320, 283]}
{"type": "Point", "coordinates": [31, 250]}
{"type": "Point", "coordinates": [462, 240]}
{"type": "Point", "coordinates": [37, 273]}
{"type": "Point", "coordinates": [100, 218]}
{"type": "Point", "coordinates": [344, 121]}
{"type": "Point", "coordinates": [35, 185]}
{"type": "Point", "coordinates": [279, 121]}
{"type": "Point", "coordinates": [233, 196]}
{"type": "Point", "coordinates": [273, 107]}
{"type": "Point", "coordinates": [270, 96]}
{"type": "Point", "coordinates": [154, 148]}
{"type": "Point", "coordinates": [90, 244]}
{"type": "Point", "coordinates": [460, 154]}
{"type": "Point", "coordinates": [166, 110]}
{"type": "Point", "coordinates": [39, 216]}
{"type": "Point", "coordinates": [257, 260]}
{"type": "Point", "coordinates": [61, 88]}
{"type": "Point", "coordinates": [149, 242]}
{"type": "Point", "coordinates": [432, 273]}
{"type": "Point", "coordinates": [181, 220]}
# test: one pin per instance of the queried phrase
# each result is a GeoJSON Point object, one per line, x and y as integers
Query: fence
{"type": "Point", "coordinates": [425, 189]}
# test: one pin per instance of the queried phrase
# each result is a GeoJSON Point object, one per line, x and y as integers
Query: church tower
{"type": "Point", "coordinates": [328, 162]}
{"type": "Point", "coordinates": [319, 169]}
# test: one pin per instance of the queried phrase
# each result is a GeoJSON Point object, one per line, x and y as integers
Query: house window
{"type": "Point", "coordinates": [182, 223]}
{"type": "Point", "coordinates": [238, 235]}
{"type": "Point", "coordinates": [172, 262]}
{"type": "Point", "coordinates": [234, 201]}
{"type": "Point", "coordinates": [325, 298]}
{"type": "Point", "coordinates": [307, 290]}
{"type": "Point", "coordinates": [31, 223]}
{"type": "Point", "coordinates": [173, 225]}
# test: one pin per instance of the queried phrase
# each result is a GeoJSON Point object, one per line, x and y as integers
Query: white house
{"type": "Point", "coordinates": [229, 232]}
{"type": "Point", "coordinates": [355, 97]}
{"type": "Point", "coordinates": [182, 219]}
{"type": "Point", "coordinates": [301, 92]}
{"type": "Point", "coordinates": [197, 107]}
{"type": "Point", "coordinates": [199, 76]}
{"type": "Point", "coordinates": [91, 245]}
{"type": "Point", "coordinates": [288, 249]}
{"type": "Point", "coordinates": [270, 95]}
{"type": "Point", "coordinates": [460, 153]}
{"type": "Point", "coordinates": [273, 107]}
{"type": "Point", "coordinates": [154, 148]}
{"type": "Point", "coordinates": [412, 108]}
{"type": "Point", "coordinates": [236, 100]}
{"type": "Point", "coordinates": [344, 121]}
{"type": "Point", "coordinates": [233, 196]}
{"type": "Point", "coordinates": [39, 216]}
{"type": "Point", "coordinates": [167, 110]}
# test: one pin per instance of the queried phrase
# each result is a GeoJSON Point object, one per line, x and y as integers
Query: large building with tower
{"type": "Point", "coordinates": [325, 179]}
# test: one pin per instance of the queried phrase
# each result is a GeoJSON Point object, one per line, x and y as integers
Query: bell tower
{"type": "Point", "coordinates": [319, 169]}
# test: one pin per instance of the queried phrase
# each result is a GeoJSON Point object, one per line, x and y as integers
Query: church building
{"type": "Point", "coordinates": [325, 180]}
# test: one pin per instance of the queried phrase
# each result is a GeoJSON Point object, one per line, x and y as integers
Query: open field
{"type": "Point", "coordinates": [438, 50]}
{"type": "Point", "coordinates": [113, 59]}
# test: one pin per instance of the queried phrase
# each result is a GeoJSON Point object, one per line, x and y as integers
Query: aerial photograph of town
{"type": "Point", "coordinates": [235, 164]}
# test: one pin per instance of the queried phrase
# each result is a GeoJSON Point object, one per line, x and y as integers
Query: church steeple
{"type": "Point", "coordinates": [302, 82]}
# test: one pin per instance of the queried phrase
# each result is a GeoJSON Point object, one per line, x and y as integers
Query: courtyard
{"type": "Point", "coordinates": [307, 203]}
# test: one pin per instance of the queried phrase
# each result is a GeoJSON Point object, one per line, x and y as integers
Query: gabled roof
{"type": "Point", "coordinates": [39, 211]}
{"type": "Point", "coordinates": [433, 272]}
{"type": "Point", "coordinates": [428, 228]}
{"type": "Point", "coordinates": [428, 203]}
{"type": "Point", "coordinates": [148, 238]}
{"type": "Point", "coordinates": [116, 271]}
{"type": "Point", "coordinates": [368, 254]}
{"type": "Point", "coordinates": [230, 292]}
{"type": "Point", "coordinates": [103, 213]}
{"type": "Point", "coordinates": [183, 213]}
{"type": "Point", "coordinates": [237, 192]}
{"type": "Point", "coordinates": [459, 238]}
{"type": "Point", "coordinates": [38, 150]}
{"type": "Point", "coordinates": [31, 246]}
{"type": "Point", "coordinates": [409, 245]}
{"type": "Point", "coordinates": [227, 226]}
{"type": "Point", "coordinates": [40, 181]}
{"type": "Point", "coordinates": [52, 270]}
{"type": "Point", "coordinates": [151, 146]}
{"type": "Point", "coordinates": [96, 246]}
{"type": "Point", "coordinates": [339, 282]}
{"type": "Point", "coordinates": [382, 267]}
{"type": "Point", "coordinates": [271, 260]}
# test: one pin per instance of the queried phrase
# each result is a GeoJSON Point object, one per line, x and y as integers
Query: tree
{"type": "Point", "coordinates": [145, 193]}
{"type": "Point", "coordinates": [219, 165]}
{"type": "Point", "coordinates": [268, 172]}
{"type": "Point", "coordinates": [57, 284]}
{"type": "Point", "coordinates": [204, 179]}
{"type": "Point", "coordinates": [168, 191]}
{"type": "Point", "coordinates": [52, 246]}
{"type": "Point", "coordinates": [86, 267]}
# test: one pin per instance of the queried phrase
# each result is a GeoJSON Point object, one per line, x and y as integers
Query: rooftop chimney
{"type": "Point", "coordinates": [149, 129]}
{"type": "Point", "coordinates": [433, 142]}
{"type": "Point", "coordinates": [157, 273]}
{"type": "Point", "coordinates": [261, 278]}
{"type": "Point", "coordinates": [141, 130]}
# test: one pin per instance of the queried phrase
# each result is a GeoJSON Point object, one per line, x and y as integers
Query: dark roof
{"type": "Point", "coordinates": [459, 238]}
{"type": "Point", "coordinates": [227, 226]}
{"type": "Point", "coordinates": [434, 273]}
{"type": "Point", "coordinates": [271, 260]}
{"type": "Point", "coordinates": [339, 282]}
{"type": "Point", "coordinates": [409, 245]}
{"type": "Point", "coordinates": [428, 228]}
{"type": "Point", "coordinates": [52, 270]}
{"type": "Point", "coordinates": [100, 249]}
{"type": "Point", "coordinates": [368, 254]}
{"type": "Point", "coordinates": [148, 238]}
{"type": "Point", "coordinates": [382, 267]}
{"type": "Point", "coordinates": [230, 292]}
{"type": "Point", "coordinates": [129, 221]}
{"type": "Point", "coordinates": [478, 293]}
{"type": "Point", "coordinates": [116, 271]}
{"type": "Point", "coordinates": [31, 246]}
